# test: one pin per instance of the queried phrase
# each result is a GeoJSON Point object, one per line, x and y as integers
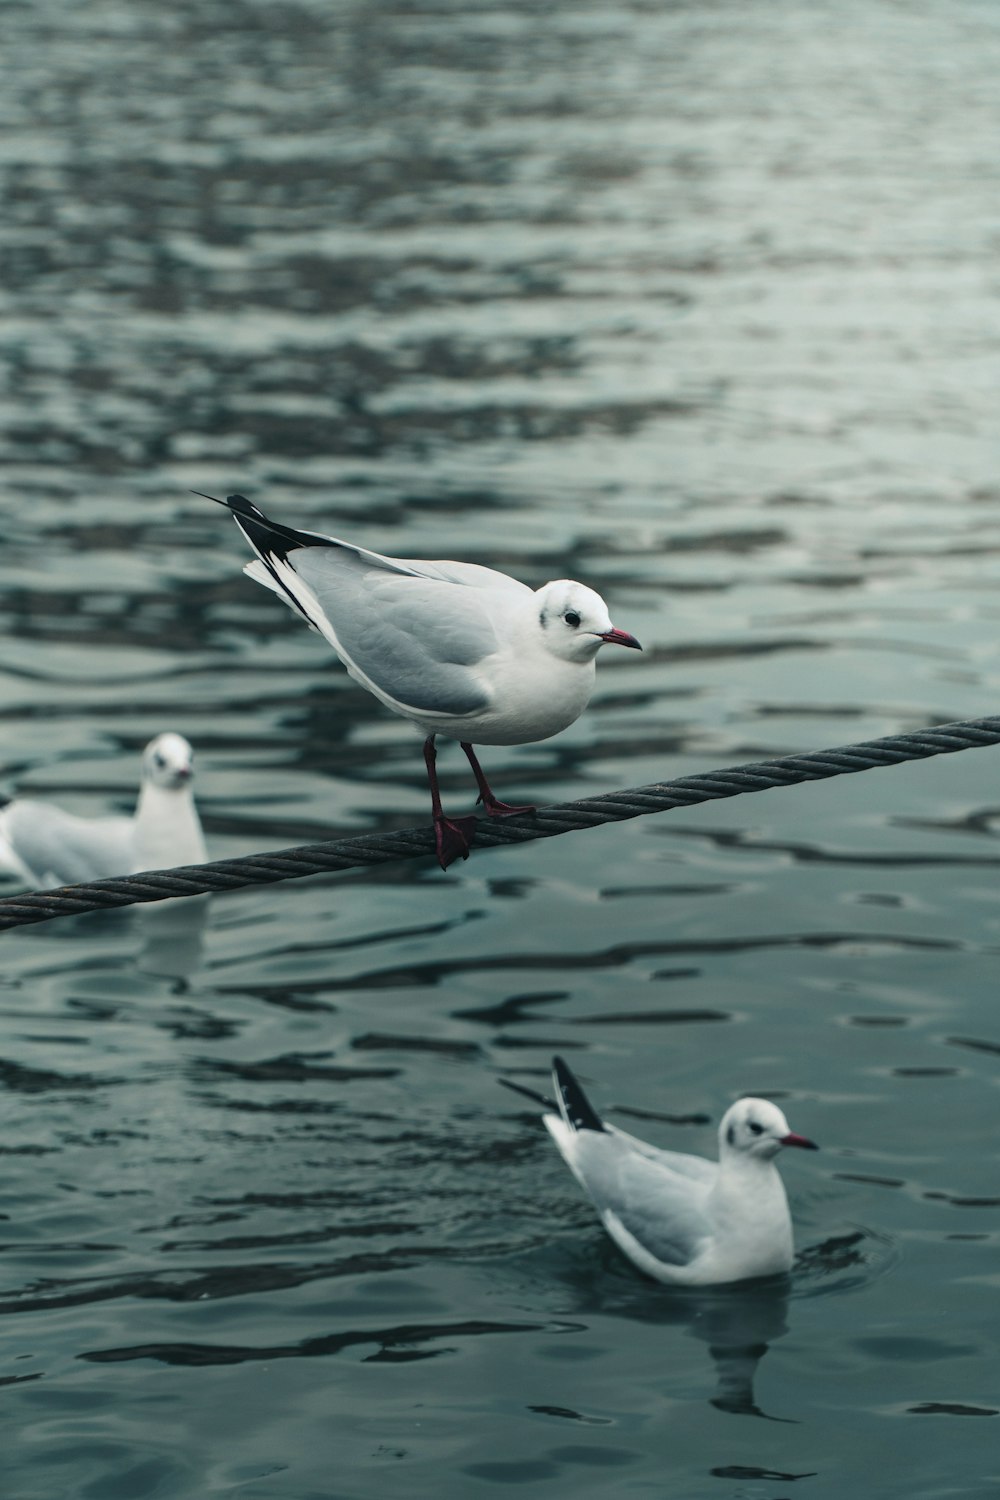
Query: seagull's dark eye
{"type": "Point", "coordinates": [755, 1128]}
{"type": "Point", "coordinates": [572, 618]}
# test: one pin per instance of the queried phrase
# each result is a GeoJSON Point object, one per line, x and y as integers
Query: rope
{"type": "Point", "coordinates": [547, 822]}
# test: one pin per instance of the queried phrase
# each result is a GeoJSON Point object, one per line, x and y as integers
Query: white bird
{"type": "Point", "coordinates": [47, 846]}
{"type": "Point", "coordinates": [457, 648]}
{"type": "Point", "coordinates": [682, 1219]}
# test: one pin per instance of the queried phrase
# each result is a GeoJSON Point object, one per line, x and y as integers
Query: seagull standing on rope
{"type": "Point", "coordinates": [457, 648]}
{"type": "Point", "coordinates": [681, 1219]}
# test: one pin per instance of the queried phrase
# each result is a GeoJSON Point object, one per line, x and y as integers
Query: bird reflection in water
{"type": "Point", "coordinates": [739, 1324]}
{"type": "Point", "coordinates": [173, 935]}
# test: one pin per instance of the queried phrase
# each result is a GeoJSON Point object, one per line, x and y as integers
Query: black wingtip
{"type": "Point", "coordinates": [577, 1109]}
{"type": "Point", "coordinates": [238, 504]}
{"type": "Point", "coordinates": [241, 506]}
{"type": "Point", "coordinates": [265, 536]}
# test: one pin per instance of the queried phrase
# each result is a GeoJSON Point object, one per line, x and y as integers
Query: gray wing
{"type": "Point", "coordinates": [462, 572]}
{"type": "Point", "coordinates": [47, 846]}
{"type": "Point", "coordinates": [695, 1168]}
{"type": "Point", "coordinates": [663, 1211]}
{"type": "Point", "coordinates": [416, 639]}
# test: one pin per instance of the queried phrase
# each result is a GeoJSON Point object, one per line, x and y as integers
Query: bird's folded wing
{"type": "Point", "coordinates": [53, 846]}
{"type": "Point", "coordinates": [415, 640]}
{"type": "Point", "coordinates": [472, 574]}
{"type": "Point", "coordinates": [664, 1213]}
{"type": "Point", "coordinates": [696, 1168]}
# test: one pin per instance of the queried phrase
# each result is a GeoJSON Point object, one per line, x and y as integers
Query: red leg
{"type": "Point", "coordinates": [492, 806]}
{"type": "Point", "coordinates": [451, 835]}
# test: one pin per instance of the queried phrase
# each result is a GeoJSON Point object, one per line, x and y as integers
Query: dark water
{"type": "Point", "coordinates": [700, 304]}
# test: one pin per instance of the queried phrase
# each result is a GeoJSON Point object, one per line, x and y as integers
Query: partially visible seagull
{"type": "Point", "coordinates": [47, 846]}
{"type": "Point", "coordinates": [682, 1219]}
{"type": "Point", "coordinates": [459, 649]}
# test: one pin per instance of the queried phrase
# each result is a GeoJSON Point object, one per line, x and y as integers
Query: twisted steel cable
{"type": "Point", "coordinates": [567, 817]}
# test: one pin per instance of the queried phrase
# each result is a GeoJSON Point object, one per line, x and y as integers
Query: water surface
{"type": "Point", "coordinates": [700, 305]}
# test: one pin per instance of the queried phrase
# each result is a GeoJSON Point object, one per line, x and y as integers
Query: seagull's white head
{"type": "Point", "coordinates": [575, 622]}
{"type": "Point", "coordinates": [756, 1128]}
{"type": "Point", "coordinates": [167, 762]}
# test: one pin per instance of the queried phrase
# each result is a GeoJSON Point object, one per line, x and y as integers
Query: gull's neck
{"type": "Point", "coordinates": [740, 1166]}
{"type": "Point", "coordinates": [745, 1180]}
{"type": "Point", "coordinates": [749, 1193]}
{"type": "Point", "coordinates": [167, 828]}
{"type": "Point", "coordinates": [749, 1207]}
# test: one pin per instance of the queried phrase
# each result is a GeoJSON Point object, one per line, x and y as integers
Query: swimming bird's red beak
{"type": "Point", "coordinates": [798, 1140]}
{"type": "Point", "coordinates": [620, 638]}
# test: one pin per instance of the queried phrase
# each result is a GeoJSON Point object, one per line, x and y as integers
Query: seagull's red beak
{"type": "Point", "coordinates": [620, 638]}
{"type": "Point", "coordinates": [798, 1140]}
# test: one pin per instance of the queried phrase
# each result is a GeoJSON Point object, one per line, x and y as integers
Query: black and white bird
{"type": "Point", "coordinates": [681, 1219]}
{"type": "Point", "coordinates": [46, 846]}
{"type": "Point", "coordinates": [457, 648]}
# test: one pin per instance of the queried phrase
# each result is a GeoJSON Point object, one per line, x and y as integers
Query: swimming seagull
{"type": "Point", "coordinates": [47, 846]}
{"type": "Point", "coordinates": [459, 649]}
{"type": "Point", "coordinates": [682, 1219]}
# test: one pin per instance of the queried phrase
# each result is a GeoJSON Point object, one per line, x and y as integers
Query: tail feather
{"type": "Point", "coordinates": [261, 532]}
{"type": "Point", "coordinates": [275, 545]}
{"type": "Point", "coordinates": [267, 536]}
{"type": "Point", "coordinates": [574, 1106]}
{"type": "Point", "coordinates": [272, 543]}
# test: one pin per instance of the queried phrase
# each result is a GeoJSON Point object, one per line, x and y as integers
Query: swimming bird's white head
{"type": "Point", "coordinates": [167, 762]}
{"type": "Point", "coordinates": [756, 1128]}
{"type": "Point", "coordinates": [575, 621]}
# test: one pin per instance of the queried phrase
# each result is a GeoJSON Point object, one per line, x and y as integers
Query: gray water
{"type": "Point", "coordinates": [699, 303]}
